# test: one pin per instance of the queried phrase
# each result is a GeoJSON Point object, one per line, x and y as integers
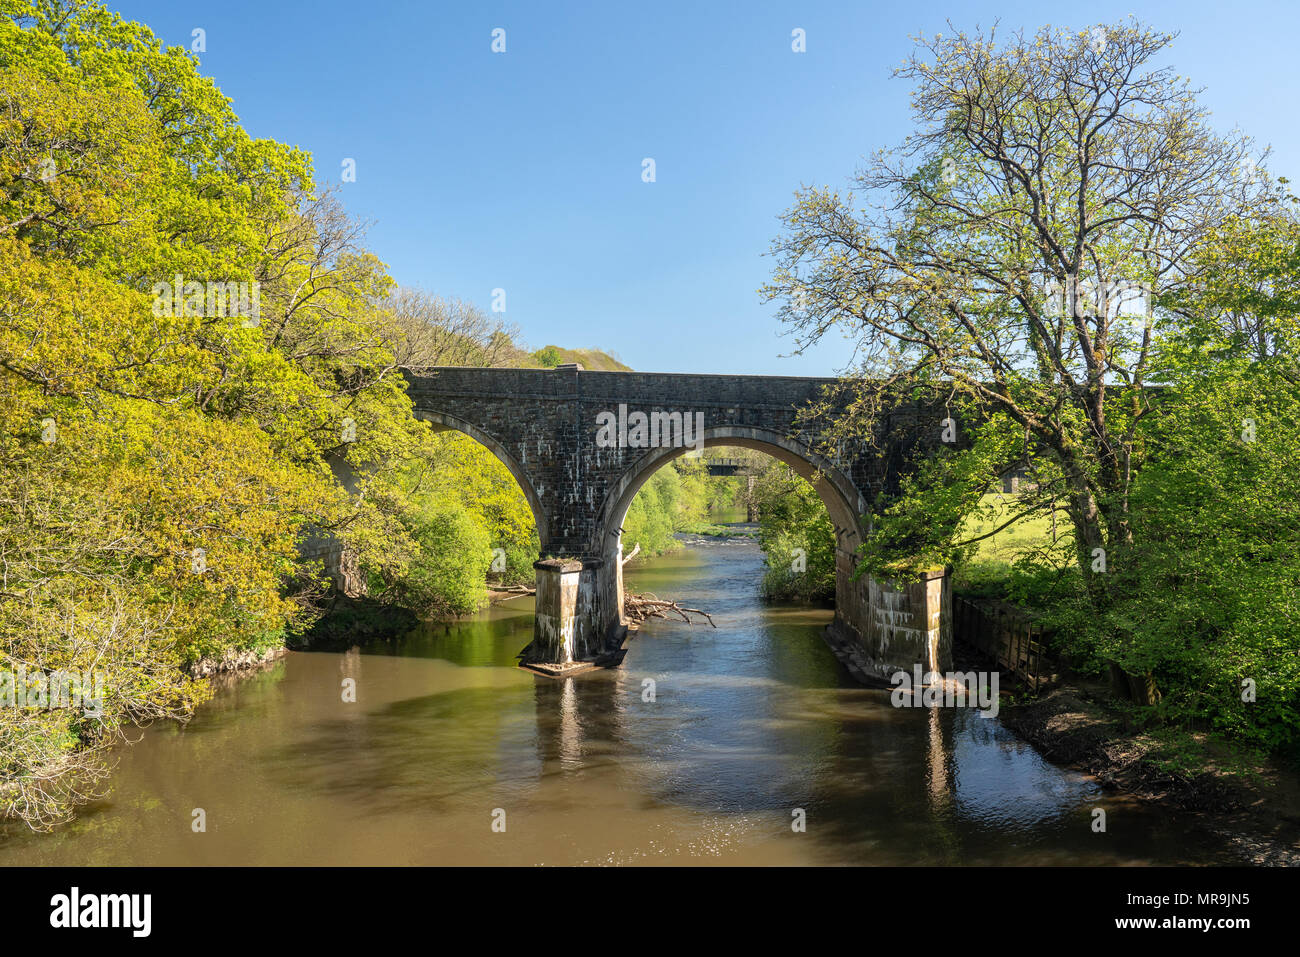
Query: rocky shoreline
{"type": "Point", "coordinates": [235, 661]}
{"type": "Point", "coordinates": [1072, 726]}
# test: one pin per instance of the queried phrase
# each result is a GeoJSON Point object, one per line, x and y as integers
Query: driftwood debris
{"type": "Point", "coordinates": [632, 554]}
{"type": "Point", "coordinates": [515, 589]}
{"type": "Point", "coordinates": [500, 593]}
{"type": "Point", "coordinates": [638, 608]}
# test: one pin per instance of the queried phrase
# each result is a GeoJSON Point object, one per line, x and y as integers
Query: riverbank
{"type": "Point", "coordinates": [350, 621]}
{"type": "Point", "coordinates": [1255, 804]}
{"type": "Point", "coordinates": [729, 530]}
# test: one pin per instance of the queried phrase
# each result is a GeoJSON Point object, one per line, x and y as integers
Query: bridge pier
{"type": "Point", "coordinates": [571, 622]}
{"type": "Point", "coordinates": [882, 628]}
{"type": "Point", "coordinates": [879, 628]}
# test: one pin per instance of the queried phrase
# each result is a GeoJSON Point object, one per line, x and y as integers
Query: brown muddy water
{"type": "Point", "coordinates": [750, 722]}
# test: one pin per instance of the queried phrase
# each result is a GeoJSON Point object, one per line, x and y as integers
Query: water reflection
{"type": "Point", "coordinates": [939, 766]}
{"type": "Point", "coordinates": [748, 723]}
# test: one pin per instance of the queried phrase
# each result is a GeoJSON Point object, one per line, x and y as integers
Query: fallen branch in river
{"type": "Point", "coordinates": [497, 594]}
{"type": "Point", "coordinates": [638, 608]}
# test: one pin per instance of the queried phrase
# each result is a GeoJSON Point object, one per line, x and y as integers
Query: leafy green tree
{"type": "Point", "coordinates": [161, 456]}
{"type": "Point", "coordinates": [652, 518]}
{"type": "Point", "coordinates": [548, 357]}
{"type": "Point", "coordinates": [1209, 593]}
{"type": "Point", "coordinates": [1056, 185]}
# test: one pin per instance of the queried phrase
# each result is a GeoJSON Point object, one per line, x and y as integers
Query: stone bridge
{"type": "Point", "coordinates": [581, 444]}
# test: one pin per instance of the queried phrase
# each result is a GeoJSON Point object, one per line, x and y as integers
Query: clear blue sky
{"type": "Point", "coordinates": [522, 170]}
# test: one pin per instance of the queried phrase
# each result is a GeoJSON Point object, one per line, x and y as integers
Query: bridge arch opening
{"type": "Point", "coordinates": [843, 503]}
{"type": "Point", "coordinates": [444, 422]}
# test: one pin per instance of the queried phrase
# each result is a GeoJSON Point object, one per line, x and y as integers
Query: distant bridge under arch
{"type": "Point", "coordinates": [581, 444]}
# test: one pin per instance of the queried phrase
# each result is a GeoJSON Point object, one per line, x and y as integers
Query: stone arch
{"type": "Point", "coordinates": [443, 422]}
{"type": "Point", "coordinates": [842, 499]}
{"type": "Point", "coordinates": [579, 492]}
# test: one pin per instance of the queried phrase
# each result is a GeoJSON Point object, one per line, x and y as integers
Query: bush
{"type": "Point", "coordinates": [655, 514]}
{"type": "Point", "coordinates": [448, 574]}
{"type": "Point", "coordinates": [793, 517]}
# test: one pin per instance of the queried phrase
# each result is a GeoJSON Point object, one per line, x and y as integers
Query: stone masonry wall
{"type": "Point", "coordinates": [544, 423]}
{"type": "Point", "coordinates": [547, 421]}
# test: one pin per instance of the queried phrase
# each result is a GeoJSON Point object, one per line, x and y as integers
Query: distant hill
{"type": "Point", "coordinates": [548, 357]}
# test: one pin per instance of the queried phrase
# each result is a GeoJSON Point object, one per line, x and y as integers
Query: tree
{"type": "Point", "coordinates": [446, 576]}
{"type": "Point", "coordinates": [438, 331]}
{"type": "Point", "coordinates": [161, 456]}
{"type": "Point", "coordinates": [1056, 185]}
{"type": "Point", "coordinates": [796, 535]}
{"type": "Point", "coordinates": [1213, 591]}
{"type": "Point", "coordinates": [548, 357]}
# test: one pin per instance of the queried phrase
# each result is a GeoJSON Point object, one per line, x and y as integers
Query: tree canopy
{"type": "Point", "coordinates": [1099, 286]}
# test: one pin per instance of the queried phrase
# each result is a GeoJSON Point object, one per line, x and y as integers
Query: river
{"type": "Point", "coordinates": [752, 727]}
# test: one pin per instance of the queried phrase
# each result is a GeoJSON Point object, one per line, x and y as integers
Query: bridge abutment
{"type": "Point", "coordinates": [882, 628]}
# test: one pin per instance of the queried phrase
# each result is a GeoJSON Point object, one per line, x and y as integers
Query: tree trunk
{"type": "Point", "coordinates": [1142, 689]}
{"type": "Point", "coordinates": [1087, 521]}
{"type": "Point", "coordinates": [1139, 689]}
